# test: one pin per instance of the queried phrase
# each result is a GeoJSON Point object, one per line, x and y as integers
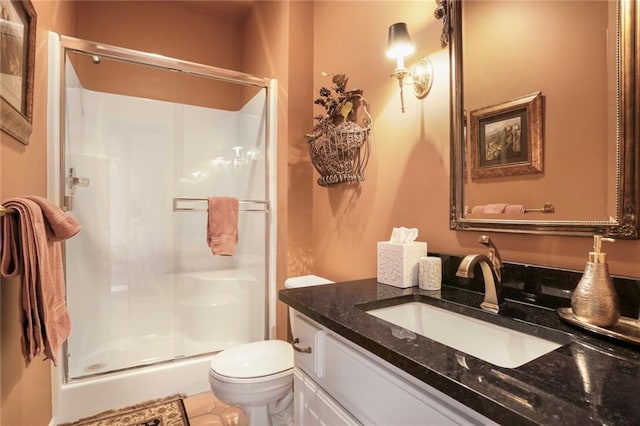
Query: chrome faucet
{"type": "Point", "coordinates": [491, 266]}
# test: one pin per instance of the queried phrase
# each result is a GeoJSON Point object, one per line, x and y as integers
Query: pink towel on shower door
{"type": "Point", "coordinates": [222, 225]}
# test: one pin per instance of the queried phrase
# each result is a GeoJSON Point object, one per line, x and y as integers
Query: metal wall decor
{"type": "Point", "coordinates": [339, 145]}
{"type": "Point", "coordinates": [442, 12]}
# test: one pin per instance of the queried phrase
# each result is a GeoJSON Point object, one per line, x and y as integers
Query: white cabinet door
{"type": "Point", "coordinates": [308, 340]}
{"type": "Point", "coordinates": [304, 395]}
{"type": "Point", "coordinates": [314, 407]}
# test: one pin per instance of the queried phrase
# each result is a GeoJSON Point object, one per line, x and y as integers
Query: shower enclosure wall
{"type": "Point", "coordinates": [144, 141]}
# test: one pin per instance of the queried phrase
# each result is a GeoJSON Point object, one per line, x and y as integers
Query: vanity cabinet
{"type": "Point", "coordinates": [339, 383]}
{"type": "Point", "coordinates": [313, 405]}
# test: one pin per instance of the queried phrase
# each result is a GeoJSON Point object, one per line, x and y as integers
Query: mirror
{"type": "Point", "coordinates": [544, 119]}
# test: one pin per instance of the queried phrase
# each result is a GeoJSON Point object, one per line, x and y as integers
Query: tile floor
{"type": "Point", "coordinates": [204, 409]}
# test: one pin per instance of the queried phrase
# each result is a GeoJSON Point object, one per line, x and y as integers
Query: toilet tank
{"type": "Point", "coordinates": [303, 281]}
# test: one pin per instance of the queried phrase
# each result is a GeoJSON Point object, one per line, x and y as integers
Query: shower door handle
{"type": "Point", "coordinates": [80, 181]}
{"type": "Point", "coordinates": [72, 182]}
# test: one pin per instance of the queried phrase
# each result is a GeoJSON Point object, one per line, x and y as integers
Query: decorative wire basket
{"type": "Point", "coordinates": [340, 152]}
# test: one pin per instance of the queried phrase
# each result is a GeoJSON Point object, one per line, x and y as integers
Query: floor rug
{"type": "Point", "coordinates": [161, 412]}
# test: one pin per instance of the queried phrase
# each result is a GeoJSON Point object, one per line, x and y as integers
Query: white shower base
{"type": "Point", "coordinates": [216, 314]}
{"type": "Point", "coordinates": [215, 310]}
{"type": "Point", "coordinates": [90, 396]}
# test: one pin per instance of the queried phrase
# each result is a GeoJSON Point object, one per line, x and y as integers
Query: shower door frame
{"type": "Point", "coordinates": [75, 45]}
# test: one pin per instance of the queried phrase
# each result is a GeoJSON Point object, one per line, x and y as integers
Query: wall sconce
{"type": "Point", "coordinates": [400, 46]}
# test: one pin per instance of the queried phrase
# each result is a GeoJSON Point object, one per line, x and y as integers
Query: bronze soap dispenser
{"type": "Point", "coordinates": [595, 300]}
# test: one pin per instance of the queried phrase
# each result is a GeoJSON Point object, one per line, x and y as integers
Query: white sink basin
{"type": "Point", "coordinates": [498, 345]}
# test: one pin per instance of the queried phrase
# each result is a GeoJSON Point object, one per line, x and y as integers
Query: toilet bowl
{"type": "Point", "coordinates": [252, 376]}
{"type": "Point", "coordinates": [258, 376]}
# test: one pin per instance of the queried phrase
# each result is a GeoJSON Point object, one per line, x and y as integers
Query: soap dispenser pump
{"type": "Point", "coordinates": [595, 300]}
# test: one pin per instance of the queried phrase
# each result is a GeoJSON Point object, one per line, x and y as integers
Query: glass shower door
{"type": "Point", "coordinates": [144, 149]}
{"type": "Point", "coordinates": [118, 162]}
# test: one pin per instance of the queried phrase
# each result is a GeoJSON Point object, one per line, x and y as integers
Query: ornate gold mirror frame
{"type": "Point", "coordinates": [17, 67]}
{"type": "Point", "coordinates": [625, 224]}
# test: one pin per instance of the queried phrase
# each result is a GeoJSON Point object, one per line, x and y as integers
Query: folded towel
{"type": "Point", "coordinates": [59, 225]}
{"type": "Point", "coordinates": [477, 209]}
{"type": "Point", "coordinates": [31, 237]}
{"type": "Point", "coordinates": [494, 208]}
{"type": "Point", "coordinates": [222, 225]}
{"type": "Point", "coordinates": [514, 209]}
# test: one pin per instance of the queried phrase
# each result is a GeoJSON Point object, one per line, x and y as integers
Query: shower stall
{"type": "Point", "coordinates": [138, 142]}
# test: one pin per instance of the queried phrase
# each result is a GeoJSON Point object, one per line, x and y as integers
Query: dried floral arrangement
{"type": "Point", "coordinates": [339, 146]}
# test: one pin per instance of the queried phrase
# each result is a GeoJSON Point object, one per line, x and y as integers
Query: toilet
{"type": "Point", "coordinates": [258, 376]}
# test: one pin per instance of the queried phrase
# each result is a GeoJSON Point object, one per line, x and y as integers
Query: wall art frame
{"type": "Point", "coordinates": [508, 139]}
{"type": "Point", "coordinates": [17, 67]}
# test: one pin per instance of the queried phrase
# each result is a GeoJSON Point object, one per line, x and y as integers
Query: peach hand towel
{"type": "Point", "coordinates": [31, 248]}
{"type": "Point", "coordinates": [222, 225]}
{"type": "Point", "coordinates": [477, 209]}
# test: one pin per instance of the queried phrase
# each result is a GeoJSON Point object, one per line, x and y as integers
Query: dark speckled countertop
{"type": "Point", "coordinates": [590, 380]}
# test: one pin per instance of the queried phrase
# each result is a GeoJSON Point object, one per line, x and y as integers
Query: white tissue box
{"type": "Point", "coordinates": [398, 263]}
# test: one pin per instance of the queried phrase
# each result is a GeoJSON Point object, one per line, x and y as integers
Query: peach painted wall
{"type": "Point", "coordinates": [299, 254]}
{"type": "Point", "coordinates": [266, 54]}
{"type": "Point", "coordinates": [407, 180]}
{"type": "Point", "coordinates": [278, 40]}
{"type": "Point", "coordinates": [168, 28]}
{"type": "Point", "coordinates": [26, 392]}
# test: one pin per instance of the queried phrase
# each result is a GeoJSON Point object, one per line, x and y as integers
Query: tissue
{"type": "Point", "coordinates": [398, 258]}
{"type": "Point", "coordinates": [403, 235]}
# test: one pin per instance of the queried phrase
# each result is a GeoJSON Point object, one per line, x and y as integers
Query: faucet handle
{"type": "Point", "coordinates": [494, 254]}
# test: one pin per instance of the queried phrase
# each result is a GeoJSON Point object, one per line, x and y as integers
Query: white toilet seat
{"type": "Point", "coordinates": [248, 380]}
{"type": "Point", "coordinates": [253, 362]}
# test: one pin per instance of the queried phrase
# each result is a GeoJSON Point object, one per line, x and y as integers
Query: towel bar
{"type": "Point", "coordinates": [245, 205]}
{"type": "Point", "coordinates": [547, 208]}
{"type": "Point", "coordinates": [4, 210]}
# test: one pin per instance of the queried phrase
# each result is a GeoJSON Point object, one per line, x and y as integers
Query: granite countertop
{"type": "Point", "coordinates": [590, 380]}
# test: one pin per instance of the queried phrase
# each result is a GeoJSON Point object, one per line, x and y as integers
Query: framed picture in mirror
{"type": "Point", "coordinates": [507, 139]}
{"type": "Point", "coordinates": [17, 58]}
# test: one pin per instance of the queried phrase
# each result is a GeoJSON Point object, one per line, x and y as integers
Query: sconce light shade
{"type": "Point", "coordinates": [399, 44]}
